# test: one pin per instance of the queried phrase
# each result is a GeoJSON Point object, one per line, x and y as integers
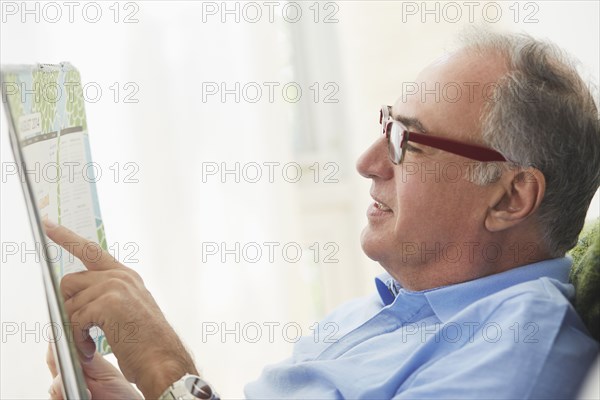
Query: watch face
{"type": "Point", "coordinates": [198, 388]}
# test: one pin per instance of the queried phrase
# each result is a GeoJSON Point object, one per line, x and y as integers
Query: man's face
{"type": "Point", "coordinates": [434, 210]}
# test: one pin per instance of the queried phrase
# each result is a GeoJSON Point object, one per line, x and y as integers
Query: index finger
{"type": "Point", "coordinates": [90, 253]}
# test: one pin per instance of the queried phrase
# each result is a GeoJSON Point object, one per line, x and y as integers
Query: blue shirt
{"type": "Point", "coordinates": [512, 335]}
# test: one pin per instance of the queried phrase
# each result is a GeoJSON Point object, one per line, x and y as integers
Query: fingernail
{"type": "Point", "coordinates": [84, 358]}
{"type": "Point", "coordinates": [49, 223]}
{"type": "Point", "coordinates": [87, 358]}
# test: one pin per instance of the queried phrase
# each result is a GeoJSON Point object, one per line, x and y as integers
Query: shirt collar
{"type": "Point", "coordinates": [446, 301]}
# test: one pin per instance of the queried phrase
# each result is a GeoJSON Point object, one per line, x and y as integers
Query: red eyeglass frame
{"type": "Point", "coordinates": [471, 151]}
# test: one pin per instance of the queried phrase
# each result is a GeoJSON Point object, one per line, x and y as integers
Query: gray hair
{"type": "Point", "coordinates": [543, 116]}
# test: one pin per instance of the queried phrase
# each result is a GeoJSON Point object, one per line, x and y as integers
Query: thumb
{"type": "Point", "coordinates": [98, 368]}
{"type": "Point", "coordinates": [56, 389]}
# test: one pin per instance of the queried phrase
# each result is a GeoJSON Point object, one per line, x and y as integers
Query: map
{"type": "Point", "coordinates": [47, 107]}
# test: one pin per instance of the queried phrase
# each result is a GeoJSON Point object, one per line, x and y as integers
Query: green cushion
{"type": "Point", "coordinates": [585, 276]}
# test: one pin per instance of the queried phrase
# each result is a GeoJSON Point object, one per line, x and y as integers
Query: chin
{"type": "Point", "coordinates": [371, 244]}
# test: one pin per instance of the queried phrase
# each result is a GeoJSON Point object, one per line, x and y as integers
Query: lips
{"type": "Point", "coordinates": [378, 208]}
{"type": "Point", "coordinates": [380, 204]}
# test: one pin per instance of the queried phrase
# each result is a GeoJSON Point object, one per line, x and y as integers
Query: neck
{"type": "Point", "coordinates": [454, 263]}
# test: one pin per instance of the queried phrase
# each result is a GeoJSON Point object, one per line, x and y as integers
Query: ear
{"type": "Point", "coordinates": [519, 196]}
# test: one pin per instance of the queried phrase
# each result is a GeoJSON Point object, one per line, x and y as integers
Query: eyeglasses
{"type": "Point", "coordinates": [398, 136]}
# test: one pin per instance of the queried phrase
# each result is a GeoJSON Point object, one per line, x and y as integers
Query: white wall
{"type": "Point", "coordinates": [171, 132]}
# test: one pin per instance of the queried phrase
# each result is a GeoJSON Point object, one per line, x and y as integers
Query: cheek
{"type": "Point", "coordinates": [414, 208]}
{"type": "Point", "coordinates": [430, 208]}
{"type": "Point", "coordinates": [414, 197]}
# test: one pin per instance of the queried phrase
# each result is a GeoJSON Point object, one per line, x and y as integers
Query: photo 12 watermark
{"type": "Point", "coordinates": [462, 252]}
{"type": "Point", "coordinates": [91, 92]}
{"type": "Point", "coordinates": [269, 92]}
{"type": "Point", "coordinates": [70, 172]}
{"type": "Point", "coordinates": [269, 172]}
{"type": "Point", "coordinates": [471, 92]}
{"type": "Point", "coordinates": [269, 252]}
{"type": "Point", "coordinates": [267, 332]}
{"type": "Point", "coordinates": [253, 12]}
{"type": "Point", "coordinates": [454, 332]}
{"type": "Point", "coordinates": [53, 12]}
{"type": "Point", "coordinates": [454, 12]}
{"type": "Point", "coordinates": [23, 252]}
{"type": "Point", "coordinates": [51, 332]}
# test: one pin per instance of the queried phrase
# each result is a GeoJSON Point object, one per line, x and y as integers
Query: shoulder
{"type": "Point", "coordinates": [528, 316]}
{"type": "Point", "coordinates": [544, 299]}
{"type": "Point", "coordinates": [528, 334]}
{"type": "Point", "coordinates": [523, 341]}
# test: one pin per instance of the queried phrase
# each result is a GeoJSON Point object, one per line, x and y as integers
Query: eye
{"type": "Point", "coordinates": [413, 149]}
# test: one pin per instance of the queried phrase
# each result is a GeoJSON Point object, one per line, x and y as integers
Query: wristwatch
{"type": "Point", "coordinates": [190, 387]}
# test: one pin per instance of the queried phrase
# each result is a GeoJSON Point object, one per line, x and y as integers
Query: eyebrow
{"type": "Point", "coordinates": [411, 122]}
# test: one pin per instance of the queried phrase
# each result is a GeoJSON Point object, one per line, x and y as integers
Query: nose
{"type": "Point", "coordinates": [374, 162]}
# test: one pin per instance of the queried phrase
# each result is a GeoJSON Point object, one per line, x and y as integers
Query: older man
{"type": "Point", "coordinates": [475, 299]}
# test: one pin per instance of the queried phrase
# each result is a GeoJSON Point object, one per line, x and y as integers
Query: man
{"type": "Point", "coordinates": [475, 299]}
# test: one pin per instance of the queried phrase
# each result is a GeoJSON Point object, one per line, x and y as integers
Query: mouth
{"type": "Point", "coordinates": [382, 206]}
{"type": "Point", "coordinates": [378, 208]}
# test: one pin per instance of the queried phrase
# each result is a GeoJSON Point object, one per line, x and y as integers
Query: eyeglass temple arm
{"type": "Point", "coordinates": [472, 151]}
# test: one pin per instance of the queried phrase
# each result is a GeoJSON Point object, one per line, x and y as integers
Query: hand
{"type": "Point", "coordinates": [103, 380]}
{"type": "Point", "coordinates": [114, 298]}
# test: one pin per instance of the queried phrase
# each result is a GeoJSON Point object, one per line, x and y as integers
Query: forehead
{"type": "Point", "coordinates": [448, 95]}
